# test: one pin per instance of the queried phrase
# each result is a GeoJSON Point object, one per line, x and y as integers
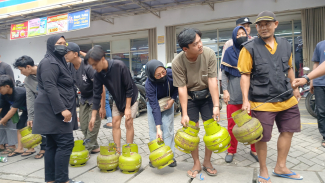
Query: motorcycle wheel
{"type": "Point", "coordinates": [141, 105]}
{"type": "Point", "coordinates": [311, 105]}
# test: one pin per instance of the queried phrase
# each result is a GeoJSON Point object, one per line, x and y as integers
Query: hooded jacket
{"type": "Point", "coordinates": [231, 56]}
{"type": "Point", "coordinates": [156, 90]}
{"type": "Point", "coordinates": [56, 93]}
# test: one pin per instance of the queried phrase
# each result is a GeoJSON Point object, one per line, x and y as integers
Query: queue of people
{"type": "Point", "coordinates": [257, 76]}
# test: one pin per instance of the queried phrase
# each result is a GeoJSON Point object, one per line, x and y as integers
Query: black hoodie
{"type": "Point", "coordinates": [56, 93]}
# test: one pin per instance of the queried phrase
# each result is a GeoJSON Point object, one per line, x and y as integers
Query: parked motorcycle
{"type": "Point", "coordinates": [310, 103]}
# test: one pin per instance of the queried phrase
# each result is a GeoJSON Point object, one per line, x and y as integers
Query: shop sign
{"type": "Point", "coordinates": [51, 25]}
{"type": "Point", "coordinates": [19, 30]}
{"type": "Point", "coordinates": [37, 27]}
{"type": "Point", "coordinates": [57, 24]}
{"type": "Point", "coordinates": [161, 40]}
{"type": "Point", "coordinates": [79, 20]}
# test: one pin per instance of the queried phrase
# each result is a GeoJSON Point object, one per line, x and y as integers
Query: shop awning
{"type": "Point", "coordinates": [105, 10]}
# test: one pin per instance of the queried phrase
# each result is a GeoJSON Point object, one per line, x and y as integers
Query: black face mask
{"type": "Point", "coordinates": [241, 40]}
{"type": "Point", "coordinates": [60, 49]}
{"type": "Point", "coordinates": [161, 80]}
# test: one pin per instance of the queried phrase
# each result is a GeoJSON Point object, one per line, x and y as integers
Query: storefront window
{"type": "Point", "coordinates": [215, 39]}
{"type": "Point", "coordinates": [225, 35]}
{"type": "Point", "coordinates": [85, 47]}
{"type": "Point", "coordinates": [106, 46]}
{"type": "Point", "coordinates": [123, 57]}
{"type": "Point", "coordinates": [139, 44]}
{"type": "Point", "coordinates": [139, 59]}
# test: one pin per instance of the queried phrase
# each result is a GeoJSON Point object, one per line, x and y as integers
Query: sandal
{"type": "Point", "coordinates": [323, 143]}
{"type": "Point", "coordinates": [27, 153]}
{"type": "Point", "coordinates": [40, 155]}
{"type": "Point", "coordinates": [288, 175]}
{"type": "Point", "coordinates": [8, 151]}
{"type": "Point", "coordinates": [206, 171]}
{"type": "Point", "coordinates": [198, 171]}
{"type": "Point", "coordinates": [13, 154]}
{"type": "Point", "coordinates": [267, 179]}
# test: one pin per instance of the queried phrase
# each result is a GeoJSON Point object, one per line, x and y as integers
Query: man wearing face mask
{"type": "Point", "coordinates": [230, 83]}
{"type": "Point", "coordinates": [55, 110]}
{"type": "Point", "coordinates": [245, 22]}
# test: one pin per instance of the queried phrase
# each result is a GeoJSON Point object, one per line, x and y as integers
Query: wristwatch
{"type": "Point", "coordinates": [306, 77]}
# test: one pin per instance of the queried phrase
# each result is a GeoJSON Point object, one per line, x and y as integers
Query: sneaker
{"type": "Point", "coordinates": [229, 158]}
{"type": "Point", "coordinates": [174, 164]}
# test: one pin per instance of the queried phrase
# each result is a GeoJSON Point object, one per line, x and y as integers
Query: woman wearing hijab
{"type": "Point", "coordinates": [159, 85]}
{"type": "Point", "coordinates": [55, 110]}
{"type": "Point", "coordinates": [232, 95]}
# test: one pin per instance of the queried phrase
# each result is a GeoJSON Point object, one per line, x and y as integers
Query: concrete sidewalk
{"type": "Point", "coordinates": [91, 174]}
{"type": "Point", "coordinates": [306, 157]}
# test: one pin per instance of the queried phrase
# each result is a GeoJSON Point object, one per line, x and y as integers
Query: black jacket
{"type": "Point", "coordinates": [118, 81]}
{"type": "Point", "coordinates": [56, 93]}
{"type": "Point", "coordinates": [269, 77]}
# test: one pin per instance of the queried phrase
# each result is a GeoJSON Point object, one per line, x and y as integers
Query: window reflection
{"type": "Point", "coordinates": [123, 57]}
{"type": "Point", "coordinates": [85, 47]}
{"type": "Point", "coordinates": [139, 44]}
{"type": "Point", "coordinates": [139, 59]}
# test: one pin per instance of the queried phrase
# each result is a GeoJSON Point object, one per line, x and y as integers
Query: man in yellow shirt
{"type": "Point", "coordinates": [266, 67]}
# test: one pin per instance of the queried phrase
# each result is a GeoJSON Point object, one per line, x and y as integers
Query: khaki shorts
{"type": "Point", "coordinates": [134, 110]}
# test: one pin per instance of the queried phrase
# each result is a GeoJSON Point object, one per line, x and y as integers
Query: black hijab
{"type": "Point", "coordinates": [151, 67]}
{"type": "Point", "coordinates": [51, 41]}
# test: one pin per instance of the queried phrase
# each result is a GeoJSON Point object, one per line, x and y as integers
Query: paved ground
{"type": "Point", "coordinates": [306, 157]}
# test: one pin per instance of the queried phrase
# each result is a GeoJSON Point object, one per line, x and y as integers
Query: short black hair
{"type": "Point", "coordinates": [23, 61]}
{"type": "Point", "coordinates": [96, 53]}
{"type": "Point", "coordinates": [187, 36]}
{"type": "Point", "coordinates": [6, 80]}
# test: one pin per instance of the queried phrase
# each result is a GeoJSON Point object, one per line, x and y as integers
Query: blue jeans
{"type": "Point", "coordinates": [108, 108]}
{"type": "Point", "coordinates": [167, 126]}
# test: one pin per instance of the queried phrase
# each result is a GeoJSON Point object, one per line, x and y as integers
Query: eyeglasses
{"type": "Point", "coordinates": [160, 74]}
{"type": "Point", "coordinates": [266, 25]}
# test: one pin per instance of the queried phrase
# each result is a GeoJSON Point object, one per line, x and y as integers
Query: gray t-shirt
{"type": "Point", "coordinates": [31, 94]}
{"type": "Point", "coordinates": [83, 79]}
{"type": "Point", "coordinates": [232, 84]}
{"type": "Point", "coordinates": [5, 69]}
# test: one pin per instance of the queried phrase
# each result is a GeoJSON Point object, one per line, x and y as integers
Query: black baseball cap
{"type": "Point", "coordinates": [73, 47]}
{"type": "Point", "coordinates": [265, 15]}
{"type": "Point", "coordinates": [243, 20]}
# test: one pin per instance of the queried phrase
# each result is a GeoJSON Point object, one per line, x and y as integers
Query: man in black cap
{"type": "Point", "coordinates": [83, 76]}
{"type": "Point", "coordinates": [267, 75]}
{"type": "Point", "coordinates": [245, 22]}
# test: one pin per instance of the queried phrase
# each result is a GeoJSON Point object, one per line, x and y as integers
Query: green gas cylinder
{"type": "Point", "coordinates": [216, 138]}
{"type": "Point", "coordinates": [130, 160]}
{"type": "Point", "coordinates": [107, 160]}
{"type": "Point", "coordinates": [160, 154]}
{"type": "Point", "coordinates": [79, 155]}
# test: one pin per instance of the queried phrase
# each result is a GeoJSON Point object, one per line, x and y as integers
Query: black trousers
{"type": "Point", "coordinates": [57, 156]}
{"type": "Point", "coordinates": [319, 92]}
{"type": "Point", "coordinates": [43, 144]}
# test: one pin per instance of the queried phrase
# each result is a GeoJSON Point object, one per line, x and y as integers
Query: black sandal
{"type": "Point", "coordinates": [41, 155]}
{"type": "Point", "coordinates": [13, 154]}
{"type": "Point", "coordinates": [28, 153]}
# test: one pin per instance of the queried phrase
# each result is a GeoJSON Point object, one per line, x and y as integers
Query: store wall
{"type": "Point", "coordinates": [36, 47]}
